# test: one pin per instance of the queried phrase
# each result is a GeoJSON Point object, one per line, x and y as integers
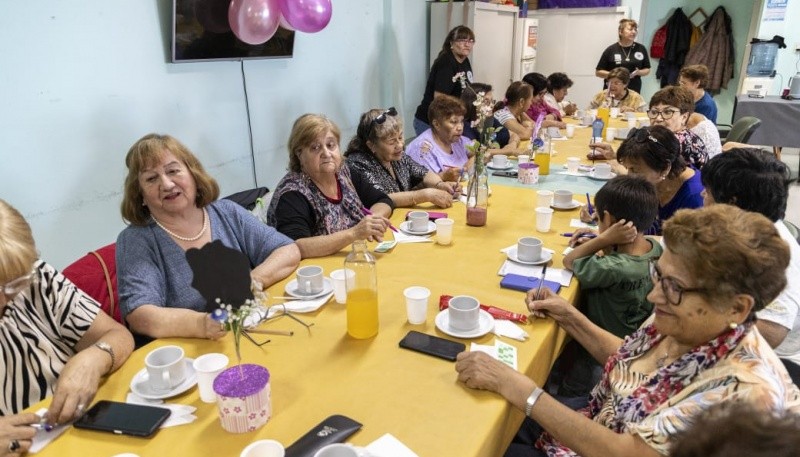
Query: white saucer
{"type": "Point", "coordinates": [546, 257]}
{"type": "Point", "coordinates": [573, 205]}
{"type": "Point", "coordinates": [492, 167]}
{"type": "Point", "coordinates": [485, 325]}
{"type": "Point", "coordinates": [291, 289]}
{"type": "Point", "coordinates": [597, 178]}
{"type": "Point", "coordinates": [405, 226]}
{"type": "Point", "coordinates": [141, 387]}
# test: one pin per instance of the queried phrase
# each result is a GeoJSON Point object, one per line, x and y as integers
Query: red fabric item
{"type": "Point", "coordinates": [659, 43]}
{"type": "Point", "coordinates": [87, 273]}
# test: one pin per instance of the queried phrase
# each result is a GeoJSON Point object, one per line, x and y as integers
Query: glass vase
{"type": "Point", "coordinates": [478, 196]}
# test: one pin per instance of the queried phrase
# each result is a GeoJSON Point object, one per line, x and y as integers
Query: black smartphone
{"type": "Point", "coordinates": [432, 345]}
{"type": "Point", "coordinates": [123, 418]}
{"type": "Point", "coordinates": [505, 174]}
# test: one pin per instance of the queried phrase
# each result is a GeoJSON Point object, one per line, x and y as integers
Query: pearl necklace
{"type": "Point", "coordinates": [183, 238]}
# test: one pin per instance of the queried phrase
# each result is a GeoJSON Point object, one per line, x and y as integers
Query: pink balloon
{"type": "Point", "coordinates": [254, 21]}
{"type": "Point", "coordinates": [307, 15]}
{"type": "Point", "coordinates": [285, 24]}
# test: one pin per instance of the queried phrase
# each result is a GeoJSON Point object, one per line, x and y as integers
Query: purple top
{"type": "Point", "coordinates": [542, 107]}
{"type": "Point", "coordinates": [230, 382]}
{"type": "Point", "coordinates": [425, 151]}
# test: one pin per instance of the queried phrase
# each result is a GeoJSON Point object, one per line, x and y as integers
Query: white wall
{"type": "Point", "coordinates": [788, 61]}
{"type": "Point", "coordinates": [81, 81]}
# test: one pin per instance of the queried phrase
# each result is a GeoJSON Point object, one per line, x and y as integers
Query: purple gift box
{"type": "Point", "coordinates": [243, 398]}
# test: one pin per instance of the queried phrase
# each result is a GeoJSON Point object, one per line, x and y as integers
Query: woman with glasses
{"type": "Point", "coordinates": [654, 154]}
{"type": "Point", "coordinates": [699, 348]}
{"type": "Point", "coordinates": [442, 148]}
{"type": "Point", "coordinates": [552, 116]}
{"type": "Point", "coordinates": [618, 94]}
{"type": "Point", "coordinates": [376, 155]}
{"type": "Point", "coordinates": [671, 107]}
{"type": "Point", "coordinates": [626, 53]}
{"type": "Point", "coordinates": [317, 203]}
{"type": "Point", "coordinates": [55, 340]}
{"type": "Point", "coordinates": [450, 73]}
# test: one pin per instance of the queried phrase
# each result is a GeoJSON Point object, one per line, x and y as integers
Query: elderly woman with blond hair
{"type": "Point", "coordinates": [700, 347]}
{"type": "Point", "coordinates": [171, 205]}
{"type": "Point", "coordinates": [55, 340]}
{"type": "Point", "coordinates": [318, 203]}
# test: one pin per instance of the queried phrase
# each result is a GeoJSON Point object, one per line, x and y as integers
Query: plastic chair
{"type": "Point", "coordinates": [742, 130]}
{"type": "Point", "coordinates": [793, 230]}
{"type": "Point", "coordinates": [96, 275]}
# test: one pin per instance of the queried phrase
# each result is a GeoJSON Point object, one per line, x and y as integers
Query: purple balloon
{"type": "Point", "coordinates": [254, 21]}
{"type": "Point", "coordinates": [307, 15]}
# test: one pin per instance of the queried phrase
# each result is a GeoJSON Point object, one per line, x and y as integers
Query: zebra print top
{"type": "Point", "coordinates": [38, 333]}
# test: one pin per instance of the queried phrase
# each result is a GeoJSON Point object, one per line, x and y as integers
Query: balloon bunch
{"type": "Point", "coordinates": [255, 21]}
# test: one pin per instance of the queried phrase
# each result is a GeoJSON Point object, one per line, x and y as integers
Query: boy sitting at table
{"type": "Point", "coordinates": [613, 269]}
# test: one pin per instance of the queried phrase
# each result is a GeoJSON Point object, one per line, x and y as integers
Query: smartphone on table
{"type": "Point", "coordinates": [123, 418]}
{"type": "Point", "coordinates": [432, 345]}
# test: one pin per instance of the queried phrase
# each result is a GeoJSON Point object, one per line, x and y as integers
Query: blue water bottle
{"type": "Point", "coordinates": [597, 128]}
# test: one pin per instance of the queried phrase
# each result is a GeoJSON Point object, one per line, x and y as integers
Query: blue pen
{"type": "Point", "coordinates": [583, 235]}
{"type": "Point", "coordinates": [589, 207]}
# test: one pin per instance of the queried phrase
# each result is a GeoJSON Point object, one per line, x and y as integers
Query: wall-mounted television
{"type": "Point", "coordinates": [201, 32]}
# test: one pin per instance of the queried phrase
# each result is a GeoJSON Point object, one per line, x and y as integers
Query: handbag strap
{"type": "Point", "coordinates": [108, 283]}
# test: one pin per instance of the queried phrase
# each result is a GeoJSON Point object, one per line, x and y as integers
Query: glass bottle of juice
{"type": "Point", "coordinates": [362, 296]}
{"type": "Point", "coordinates": [541, 156]}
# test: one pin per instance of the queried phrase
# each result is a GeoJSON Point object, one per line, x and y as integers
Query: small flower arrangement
{"type": "Point", "coordinates": [234, 317]}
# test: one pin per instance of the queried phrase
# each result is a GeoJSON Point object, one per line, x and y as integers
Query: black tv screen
{"type": "Point", "coordinates": [200, 32]}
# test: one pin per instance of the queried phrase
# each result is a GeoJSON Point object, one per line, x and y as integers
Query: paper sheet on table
{"type": "Point", "coordinates": [42, 438]}
{"type": "Point", "coordinates": [501, 351]}
{"type": "Point", "coordinates": [576, 223]}
{"type": "Point", "coordinates": [389, 446]}
{"type": "Point", "coordinates": [401, 237]}
{"type": "Point", "coordinates": [558, 275]}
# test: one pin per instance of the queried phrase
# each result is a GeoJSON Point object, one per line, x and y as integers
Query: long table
{"type": "Point", "coordinates": [323, 371]}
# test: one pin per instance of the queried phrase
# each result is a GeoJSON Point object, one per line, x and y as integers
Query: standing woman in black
{"type": "Point", "coordinates": [452, 61]}
{"type": "Point", "coordinates": [625, 53]}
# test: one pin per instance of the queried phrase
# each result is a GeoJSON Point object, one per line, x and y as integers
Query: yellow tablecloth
{"type": "Point", "coordinates": [388, 389]}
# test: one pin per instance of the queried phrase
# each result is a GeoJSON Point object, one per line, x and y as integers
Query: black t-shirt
{"type": "Point", "coordinates": [441, 80]}
{"type": "Point", "coordinates": [630, 58]}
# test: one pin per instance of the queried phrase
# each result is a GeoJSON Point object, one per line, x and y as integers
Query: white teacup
{"type": "Point", "coordinates": [310, 280]}
{"type": "Point", "coordinates": [263, 448]}
{"type": "Point", "coordinates": [562, 198]}
{"type": "Point", "coordinates": [529, 249]}
{"type": "Point", "coordinates": [572, 164]}
{"type": "Point", "coordinates": [523, 158]}
{"type": "Point", "coordinates": [602, 170]}
{"type": "Point", "coordinates": [340, 450]}
{"type": "Point", "coordinates": [464, 312]}
{"type": "Point", "coordinates": [500, 161]}
{"type": "Point", "coordinates": [166, 367]}
{"type": "Point", "coordinates": [418, 221]}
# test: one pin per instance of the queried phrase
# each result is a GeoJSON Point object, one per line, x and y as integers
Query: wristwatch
{"type": "Point", "coordinates": [532, 398]}
{"type": "Point", "coordinates": [105, 347]}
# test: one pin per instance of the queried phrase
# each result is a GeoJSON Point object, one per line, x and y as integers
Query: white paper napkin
{"type": "Point", "coordinates": [401, 237]}
{"type": "Point", "coordinates": [509, 330]}
{"type": "Point", "coordinates": [180, 414]}
{"type": "Point", "coordinates": [577, 173]}
{"type": "Point", "coordinates": [389, 446]}
{"type": "Point", "coordinates": [42, 437]}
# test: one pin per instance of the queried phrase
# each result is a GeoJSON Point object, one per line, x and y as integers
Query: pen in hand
{"type": "Point", "coordinates": [369, 213]}
{"type": "Point", "coordinates": [582, 235]}
{"type": "Point", "coordinates": [589, 207]}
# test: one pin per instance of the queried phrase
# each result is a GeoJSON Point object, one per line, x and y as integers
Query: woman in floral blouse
{"type": "Point", "coordinates": [376, 155]}
{"type": "Point", "coordinates": [720, 265]}
{"type": "Point", "coordinates": [671, 107]}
